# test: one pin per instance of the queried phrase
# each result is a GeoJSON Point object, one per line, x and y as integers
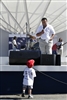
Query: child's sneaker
{"type": "Point", "coordinates": [30, 97]}
{"type": "Point", "coordinates": [23, 95]}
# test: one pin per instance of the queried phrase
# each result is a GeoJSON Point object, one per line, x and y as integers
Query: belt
{"type": "Point", "coordinates": [43, 39]}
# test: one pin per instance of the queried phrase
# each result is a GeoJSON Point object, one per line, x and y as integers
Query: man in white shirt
{"type": "Point", "coordinates": [46, 33]}
{"type": "Point", "coordinates": [14, 43]}
{"type": "Point", "coordinates": [28, 80]}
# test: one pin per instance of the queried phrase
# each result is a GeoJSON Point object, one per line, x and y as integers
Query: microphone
{"type": "Point", "coordinates": [43, 27]}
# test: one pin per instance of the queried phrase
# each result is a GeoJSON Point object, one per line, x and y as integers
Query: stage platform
{"type": "Point", "coordinates": [39, 68]}
{"type": "Point", "coordinates": [4, 66]}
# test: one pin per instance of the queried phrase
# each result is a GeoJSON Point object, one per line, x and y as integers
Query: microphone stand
{"type": "Point", "coordinates": [27, 41]}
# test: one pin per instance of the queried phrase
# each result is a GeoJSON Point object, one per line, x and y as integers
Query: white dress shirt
{"type": "Point", "coordinates": [48, 31]}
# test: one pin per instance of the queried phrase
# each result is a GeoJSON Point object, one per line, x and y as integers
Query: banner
{"type": "Point", "coordinates": [21, 40]}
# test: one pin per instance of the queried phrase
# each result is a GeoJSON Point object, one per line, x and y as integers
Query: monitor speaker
{"type": "Point", "coordinates": [48, 59]}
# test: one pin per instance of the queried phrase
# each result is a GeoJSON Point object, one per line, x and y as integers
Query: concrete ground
{"type": "Point", "coordinates": [36, 97]}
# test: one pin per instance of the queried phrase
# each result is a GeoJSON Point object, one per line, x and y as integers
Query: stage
{"type": "Point", "coordinates": [4, 66]}
{"type": "Point", "coordinates": [52, 81]}
{"type": "Point", "coordinates": [38, 67]}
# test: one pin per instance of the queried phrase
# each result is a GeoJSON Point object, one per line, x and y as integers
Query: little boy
{"type": "Point", "coordinates": [28, 80]}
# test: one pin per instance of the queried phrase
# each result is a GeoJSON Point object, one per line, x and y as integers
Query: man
{"type": "Point", "coordinates": [60, 47]}
{"type": "Point", "coordinates": [46, 33]}
{"type": "Point", "coordinates": [14, 43]}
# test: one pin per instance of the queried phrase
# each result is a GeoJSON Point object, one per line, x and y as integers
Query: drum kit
{"type": "Point", "coordinates": [31, 44]}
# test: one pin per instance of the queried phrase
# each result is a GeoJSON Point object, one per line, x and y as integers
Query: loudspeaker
{"type": "Point", "coordinates": [21, 57]}
{"type": "Point", "coordinates": [58, 60]}
{"type": "Point", "coordinates": [48, 59]}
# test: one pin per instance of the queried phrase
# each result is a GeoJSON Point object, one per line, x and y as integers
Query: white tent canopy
{"type": "Point", "coordinates": [14, 14]}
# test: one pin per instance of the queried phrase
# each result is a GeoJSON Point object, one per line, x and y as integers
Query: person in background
{"type": "Point", "coordinates": [46, 33]}
{"type": "Point", "coordinates": [28, 80]}
{"type": "Point", "coordinates": [32, 40]}
{"type": "Point", "coordinates": [14, 43]}
{"type": "Point", "coordinates": [54, 49]}
{"type": "Point", "coordinates": [59, 46]}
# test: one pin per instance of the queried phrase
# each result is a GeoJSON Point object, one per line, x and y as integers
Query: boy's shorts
{"type": "Point", "coordinates": [29, 87]}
